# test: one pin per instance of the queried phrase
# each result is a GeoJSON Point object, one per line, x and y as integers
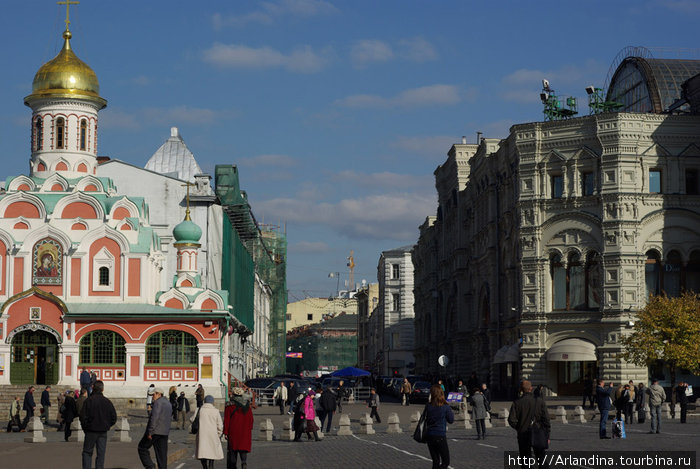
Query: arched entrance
{"type": "Point", "coordinates": [576, 361]}
{"type": "Point", "coordinates": [34, 358]}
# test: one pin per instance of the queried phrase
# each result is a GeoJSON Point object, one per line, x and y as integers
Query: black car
{"type": "Point", "coordinates": [421, 391]}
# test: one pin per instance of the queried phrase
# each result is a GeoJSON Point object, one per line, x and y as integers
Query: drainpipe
{"type": "Point", "coordinates": [221, 359]}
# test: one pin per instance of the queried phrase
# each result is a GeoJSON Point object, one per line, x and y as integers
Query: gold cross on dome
{"type": "Point", "coordinates": [187, 211]}
{"type": "Point", "coordinates": [67, 3]}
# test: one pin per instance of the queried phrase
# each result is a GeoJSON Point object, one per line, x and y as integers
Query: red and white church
{"type": "Point", "coordinates": [80, 266]}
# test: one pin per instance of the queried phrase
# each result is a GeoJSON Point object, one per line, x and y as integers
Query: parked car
{"type": "Point", "coordinates": [421, 391]}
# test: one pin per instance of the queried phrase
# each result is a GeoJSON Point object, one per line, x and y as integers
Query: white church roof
{"type": "Point", "coordinates": [174, 159]}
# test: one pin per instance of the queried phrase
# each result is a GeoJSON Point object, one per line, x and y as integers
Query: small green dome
{"type": "Point", "coordinates": [187, 232]}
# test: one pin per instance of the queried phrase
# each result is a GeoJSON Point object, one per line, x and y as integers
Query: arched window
{"type": "Point", "coordinates": [102, 348]}
{"type": "Point", "coordinates": [672, 274]}
{"type": "Point", "coordinates": [577, 283]}
{"type": "Point", "coordinates": [38, 134]}
{"type": "Point", "coordinates": [558, 282]}
{"type": "Point", "coordinates": [60, 133]}
{"type": "Point", "coordinates": [171, 348]}
{"type": "Point", "coordinates": [83, 134]}
{"type": "Point", "coordinates": [652, 270]}
{"type": "Point", "coordinates": [103, 276]}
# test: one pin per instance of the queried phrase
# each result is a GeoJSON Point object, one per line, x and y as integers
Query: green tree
{"type": "Point", "coordinates": [666, 329]}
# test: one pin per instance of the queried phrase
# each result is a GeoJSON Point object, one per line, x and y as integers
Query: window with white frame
{"type": "Point", "coordinates": [103, 266]}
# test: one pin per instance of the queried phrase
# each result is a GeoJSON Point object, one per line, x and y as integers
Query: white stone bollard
{"type": "Point", "coordinates": [121, 431]}
{"type": "Point", "coordinates": [366, 423]}
{"type": "Point", "coordinates": [467, 420]}
{"type": "Point", "coordinates": [561, 414]}
{"type": "Point", "coordinates": [35, 427]}
{"type": "Point", "coordinates": [287, 430]}
{"type": "Point", "coordinates": [504, 414]}
{"type": "Point", "coordinates": [266, 429]}
{"type": "Point", "coordinates": [487, 420]}
{"type": "Point", "coordinates": [415, 417]}
{"type": "Point", "coordinates": [394, 423]}
{"type": "Point", "coordinates": [344, 426]}
{"type": "Point", "coordinates": [647, 412]}
{"type": "Point", "coordinates": [677, 410]}
{"type": "Point", "coordinates": [666, 410]}
{"type": "Point", "coordinates": [317, 421]}
{"type": "Point", "coordinates": [579, 414]}
{"type": "Point", "coordinates": [77, 429]}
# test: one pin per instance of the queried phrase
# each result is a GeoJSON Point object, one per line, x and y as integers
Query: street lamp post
{"type": "Point", "coordinates": [336, 275]}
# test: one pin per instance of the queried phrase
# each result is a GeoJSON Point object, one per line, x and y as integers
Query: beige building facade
{"type": "Point", "coordinates": [314, 310]}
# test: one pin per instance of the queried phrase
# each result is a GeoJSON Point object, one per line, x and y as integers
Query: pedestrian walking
{"type": "Point", "coordinates": [82, 397]}
{"type": "Point", "coordinates": [479, 412]}
{"type": "Point", "coordinates": [462, 389]}
{"type": "Point", "coordinates": [405, 392]}
{"type": "Point", "coordinates": [183, 408]}
{"type": "Point", "coordinates": [373, 404]}
{"type": "Point", "coordinates": [93, 380]}
{"type": "Point", "coordinates": [199, 395]}
{"type": "Point", "coordinates": [207, 444]}
{"type": "Point", "coordinates": [528, 416]}
{"type": "Point", "coordinates": [682, 399]}
{"type": "Point", "coordinates": [85, 379]}
{"type": "Point", "coordinates": [299, 421]}
{"type": "Point", "coordinates": [328, 407]}
{"type": "Point", "coordinates": [310, 416]}
{"type": "Point", "coordinates": [14, 415]}
{"type": "Point", "coordinates": [172, 396]}
{"type": "Point", "coordinates": [280, 397]}
{"type": "Point", "coordinates": [70, 412]}
{"type": "Point", "coordinates": [640, 402]}
{"type": "Point", "coordinates": [45, 404]}
{"type": "Point", "coordinates": [156, 434]}
{"type": "Point", "coordinates": [341, 393]}
{"type": "Point", "coordinates": [604, 400]}
{"type": "Point", "coordinates": [28, 406]}
{"type": "Point", "coordinates": [292, 396]}
{"type": "Point", "coordinates": [238, 428]}
{"type": "Point", "coordinates": [629, 405]}
{"type": "Point", "coordinates": [60, 400]}
{"type": "Point", "coordinates": [97, 416]}
{"type": "Point", "coordinates": [438, 414]}
{"type": "Point", "coordinates": [149, 398]}
{"type": "Point", "coordinates": [657, 396]}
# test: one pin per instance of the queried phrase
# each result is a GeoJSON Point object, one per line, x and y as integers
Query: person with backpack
{"type": "Point", "coordinates": [529, 417]}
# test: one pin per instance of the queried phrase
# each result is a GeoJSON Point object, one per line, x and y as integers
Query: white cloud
{"type": "Point", "coordinates": [432, 95]}
{"type": "Point", "coordinates": [394, 216]}
{"type": "Point", "coordinates": [301, 60]}
{"type": "Point", "coordinates": [417, 49]}
{"type": "Point", "coordinates": [309, 247]}
{"type": "Point", "coordinates": [368, 51]}
{"type": "Point", "coordinates": [283, 161]}
{"type": "Point", "coordinates": [385, 180]}
{"type": "Point", "coordinates": [270, 12]}
{"type": "Point", "coordinates": [523, 85]}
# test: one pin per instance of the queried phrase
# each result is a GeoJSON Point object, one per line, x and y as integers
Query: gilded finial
{"type": "Point", "coordinates": [67, 3]}
{"type": "Point", "coordinates": [187, 198]}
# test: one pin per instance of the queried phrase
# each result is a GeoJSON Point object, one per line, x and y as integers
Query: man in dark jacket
{"type": "Point", "coordinates": [183, 408]}
{"type": "Point", "coordinates": [523, 413]}
{"type": "Point", "coordinates": [70, 411]}
{"type": "Point", "coordinates": [45, 403]}
{"type": "Point", "coordinates": [85, 379]}
{"type": "Point", "coordinates": [327, 402]}
{"type": "Point", "coordinates": [603, 399]}
{"type": "Point", "coordinates": [292, 396]}
{"type": "Point", "coordinates": [156, 435]}
{"type": "Point", "coordinates": [97, 416]}
{"type": "Point", "coordinates": [29, 406]}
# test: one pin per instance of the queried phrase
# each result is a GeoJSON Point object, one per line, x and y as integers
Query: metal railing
{"type": "Point", "coordinates": [263, 396]}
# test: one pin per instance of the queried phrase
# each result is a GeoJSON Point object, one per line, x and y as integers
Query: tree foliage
{"type": "Point", "coordinates": [666, 329]}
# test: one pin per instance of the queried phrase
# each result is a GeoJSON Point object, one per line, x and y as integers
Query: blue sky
{"type": "Point", "coordinates": [337, 113]}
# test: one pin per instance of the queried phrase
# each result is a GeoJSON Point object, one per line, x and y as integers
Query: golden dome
{"type": "Point", "coordinates": [66, 76]}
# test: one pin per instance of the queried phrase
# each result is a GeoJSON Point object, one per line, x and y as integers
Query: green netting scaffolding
{"type": "Point", "coordinates": [266, 246]}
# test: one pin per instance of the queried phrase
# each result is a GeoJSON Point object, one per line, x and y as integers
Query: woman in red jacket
{"type": "Point", "coordinates": [238, 428]}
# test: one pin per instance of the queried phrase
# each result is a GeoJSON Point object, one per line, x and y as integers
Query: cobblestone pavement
{"type": "Point", "coordinates": [381, 450]}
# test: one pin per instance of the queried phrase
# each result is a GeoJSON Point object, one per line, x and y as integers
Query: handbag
{"type": "Point", "coordinates": [538, 436]}
{"type": "Point", "coordinates": [194, 429]}
{"type": "Point", "coordinates": [420, 433]}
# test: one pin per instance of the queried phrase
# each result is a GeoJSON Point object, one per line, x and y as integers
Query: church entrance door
{"type": "Point", "coordinates": [34, 358]}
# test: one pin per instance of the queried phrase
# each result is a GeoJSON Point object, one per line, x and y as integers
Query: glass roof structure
{"type": "Point", "coordinates": [650, 85]}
